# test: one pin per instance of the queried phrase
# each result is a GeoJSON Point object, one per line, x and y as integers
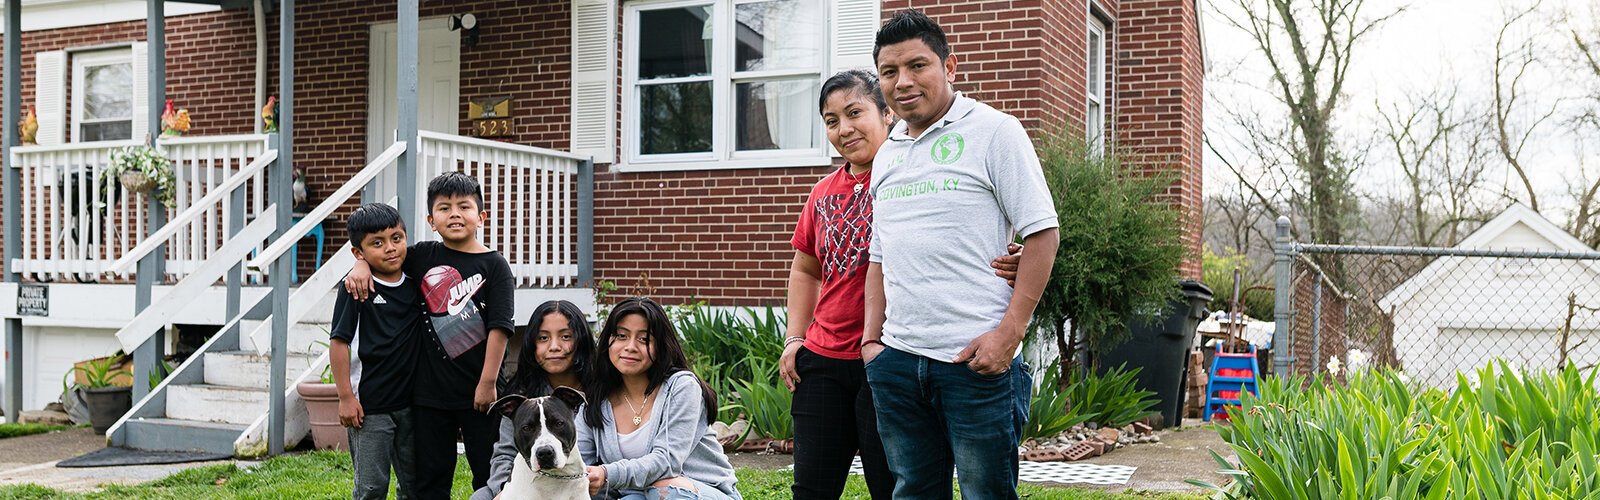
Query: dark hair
{"type": "Point", "coordinates": [530, 379]}
{"type": "Point", "coordinates": [857, 80]}
{"type": "Point", "coordinates": [908, 24]}
{"type": "Point", "coordinates": [666, 354]}
{"type": "Point", "coordinates": [454, 184]}
{"type": "Point", "coordinates": [371, 218]}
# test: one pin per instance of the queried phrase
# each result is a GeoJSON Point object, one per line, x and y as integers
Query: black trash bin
{"type": "Point", "coordinates": [1160, 348]}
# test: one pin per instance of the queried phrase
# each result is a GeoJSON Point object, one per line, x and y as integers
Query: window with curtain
{"type": "Point", "coordinates": [102, 95]}
{"type": "Point", "coordinates": [725, 81]}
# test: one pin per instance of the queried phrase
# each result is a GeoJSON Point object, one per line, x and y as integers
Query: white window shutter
{"type": "Point", "coordinates": [594, 70]}
{"type": "Point", "coordinates": [50, 96]}
{"type": "Point", "coordinates": [855, 27]}
{"type": "Point", "coordinates": [141, 91]}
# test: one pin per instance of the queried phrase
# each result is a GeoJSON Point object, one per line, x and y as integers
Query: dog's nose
{"type": "Point", "coordinates": [546, 457]}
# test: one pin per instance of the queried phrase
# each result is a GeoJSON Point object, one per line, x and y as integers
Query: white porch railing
{"type": "Point", "coordinates": [531, 196]}
{"type": "Point", "coordinates": [75, 226]}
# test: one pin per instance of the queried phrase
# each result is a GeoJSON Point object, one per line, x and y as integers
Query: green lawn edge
{"type": "Point", "coordinates": [319, 475]}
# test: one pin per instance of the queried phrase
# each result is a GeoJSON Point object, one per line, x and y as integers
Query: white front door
{"type": "Point", "coordinates": [438, 93]}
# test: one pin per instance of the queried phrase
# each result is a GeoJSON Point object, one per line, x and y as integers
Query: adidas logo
{"type": "Point", "coordinates": [378, 299]}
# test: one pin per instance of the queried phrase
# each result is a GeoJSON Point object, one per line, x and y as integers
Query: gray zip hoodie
{"type": "Point", "coordinates": [681, 443]}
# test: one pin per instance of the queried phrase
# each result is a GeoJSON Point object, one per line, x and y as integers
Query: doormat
{"type": "Point", "coordinates": [1056, 472]}
{"type": "Point", "coordinates": [113, 456]}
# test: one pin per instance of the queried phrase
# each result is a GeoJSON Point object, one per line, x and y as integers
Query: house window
{"type": "Point", "coordinates": [1095, 119]}
{"type": "Point", "coordinates": [723, 84]}
{"type": "Point", "coordinates": [102, 95]}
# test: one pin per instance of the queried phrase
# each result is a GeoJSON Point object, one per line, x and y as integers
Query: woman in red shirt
{"type": "Point", "coordinates": [821, 363]}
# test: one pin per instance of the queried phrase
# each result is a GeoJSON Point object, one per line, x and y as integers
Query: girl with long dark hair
{"type": "Point", "coordinates": [647, 422]}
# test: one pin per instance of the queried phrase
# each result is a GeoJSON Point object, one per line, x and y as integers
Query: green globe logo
{"type": "Point", "coordinates": [947, 148]}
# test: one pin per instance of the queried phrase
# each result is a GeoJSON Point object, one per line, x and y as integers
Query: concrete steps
{"type": "Point", "coordinates": [248, 369]}
{"type": "Point", "coordinates": [216, 403]}
{"type": "Point", "coordinates": [184, 435]}
{"type": "Point", "coordinates": [304, 338]}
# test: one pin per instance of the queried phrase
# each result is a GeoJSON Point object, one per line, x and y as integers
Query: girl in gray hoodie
{"type": "Point", "coordinates": [645, 430]}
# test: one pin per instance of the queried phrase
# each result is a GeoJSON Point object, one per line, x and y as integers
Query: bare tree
{"type": "Point", "coordinates": [1309, 46]}
{"type": "Point", "coordinates": [1442, 150]}
{"type": "Point", "coordinates": [1514, 57]}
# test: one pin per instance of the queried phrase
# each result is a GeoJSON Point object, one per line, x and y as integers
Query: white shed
{"type": "Point", "coordinates": [1459, 313]}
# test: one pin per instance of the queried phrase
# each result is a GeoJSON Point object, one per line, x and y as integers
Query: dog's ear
{"type": "Point", "coordinates": [508, 405]}
{"type": "Point", "coordinates": [570, 396]}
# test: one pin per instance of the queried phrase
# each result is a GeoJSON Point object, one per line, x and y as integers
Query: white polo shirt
{"type": "Point", "coordinates": [944, 205]}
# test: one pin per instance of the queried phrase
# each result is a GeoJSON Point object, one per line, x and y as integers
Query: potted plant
{"type": "Point", "coordinates": [322, 406]}
{"type": "Point", "coordinates": [141, 169]}
{"type": "Point", "coordinates": [107, 389]}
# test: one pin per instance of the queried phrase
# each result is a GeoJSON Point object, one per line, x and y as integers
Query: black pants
{"type": "Point", "coordinates": [435, 436]}
{"type": "Point", "coordinates": [833, 419]}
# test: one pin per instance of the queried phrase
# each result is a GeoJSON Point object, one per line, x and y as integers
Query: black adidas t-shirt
{"type": "Point", "coordinates": [385, 334]}
{"type": "Point", "coordinates": [445, 383]}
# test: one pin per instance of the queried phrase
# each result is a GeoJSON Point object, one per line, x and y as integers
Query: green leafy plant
{"type": "Point", "coordinates": [1111, 398]}
{"type": "Point", "coordinates": [1216, 271]}
{"type": "Point", "coordinates": [768, 403]}
{"type": "Point", "coordinates": [160, 373]}
{"type": "Point", "coordinates": [724, 346]}
{"type": "Point", "coordinates": [100, 373]}
{"type": "Point", "coordinates": [142, 159]}
{"type": "Point", "coordinates": [1120, 244]}
{"type": "Point", "coordinates": [1048, 412]}
{"type": "Point", "coordinates": [1508, 435]}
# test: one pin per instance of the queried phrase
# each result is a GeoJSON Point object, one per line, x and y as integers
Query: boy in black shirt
{"type": "Point", "coordinates": [375, 386]}
{"type": "Point", "coordinates": [468, 291]}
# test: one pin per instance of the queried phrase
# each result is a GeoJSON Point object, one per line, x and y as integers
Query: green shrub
{"type": "Point", "coordinates": [767, 402]}
{"type": "Point", "coordinates": [1111, 398]}
{"type": "Point", "coordinates": [1510, 435]}
{"type": "Point", "coordinates": [1048, 412]}
{"type": "Point", "coordinates": [725, 349]}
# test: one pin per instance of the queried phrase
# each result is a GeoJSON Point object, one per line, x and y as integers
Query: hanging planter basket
{"type": "Point", "coordinates": [137, 182]}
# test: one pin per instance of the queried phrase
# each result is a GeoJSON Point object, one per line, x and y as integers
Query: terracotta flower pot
{"type": "Point", "coordinates": [322, 403]}
{"type": "Point", "coordinates": [107, 404]}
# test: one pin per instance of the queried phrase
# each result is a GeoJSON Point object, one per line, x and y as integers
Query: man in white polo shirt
{"type": "Point", "coordinates": [959, 180]}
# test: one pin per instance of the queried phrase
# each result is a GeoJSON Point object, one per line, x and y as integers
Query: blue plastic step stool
{"type": "Point", "coordinates": [1234, 363]}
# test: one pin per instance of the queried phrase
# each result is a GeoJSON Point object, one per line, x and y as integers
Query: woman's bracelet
{"type": "Point", "coordinates": [870, 342]}
{"type": "Point", "coordinates": [791, 340]}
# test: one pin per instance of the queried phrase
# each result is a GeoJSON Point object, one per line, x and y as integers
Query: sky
{"type": "Point", "coordinates": [1432, 44]}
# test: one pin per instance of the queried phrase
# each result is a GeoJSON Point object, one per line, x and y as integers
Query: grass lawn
{"type": "Point", "coordinates": [14, 430]}
{"type": "Point", "coordinates": [322, 475]}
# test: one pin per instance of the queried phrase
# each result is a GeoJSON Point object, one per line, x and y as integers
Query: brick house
{"type": "Point", "coordinates": [699, 116]}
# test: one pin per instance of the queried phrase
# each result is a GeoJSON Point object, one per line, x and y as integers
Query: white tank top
{"type": "Point", "coordinates": [634, 444]}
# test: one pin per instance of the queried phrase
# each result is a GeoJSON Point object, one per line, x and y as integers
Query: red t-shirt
{"type": "Point", "coordinates": [835, 227]}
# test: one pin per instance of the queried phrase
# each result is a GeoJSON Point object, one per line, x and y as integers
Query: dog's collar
{"type": "Point", "coordinates": [563, 477]}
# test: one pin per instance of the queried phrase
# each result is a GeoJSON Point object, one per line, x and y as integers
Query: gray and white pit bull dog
{"type": "Point", "coordinates": [546, 437]}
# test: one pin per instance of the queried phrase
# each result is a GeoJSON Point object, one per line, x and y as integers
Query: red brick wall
{"type": "Point", "coordinates": [715, 235]}
{"type": "Point", "coordinates": [1159, 74]}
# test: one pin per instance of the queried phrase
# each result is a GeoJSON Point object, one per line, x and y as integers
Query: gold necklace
{"type": "Point", "coordinates": [636, 418]}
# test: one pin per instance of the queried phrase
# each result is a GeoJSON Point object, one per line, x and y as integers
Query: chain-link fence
{"type": "Point", "coordinates": [1434, 312]}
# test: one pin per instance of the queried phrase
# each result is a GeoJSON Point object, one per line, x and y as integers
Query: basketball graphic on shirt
{"type": "Point", "coordinates": [455, 318]}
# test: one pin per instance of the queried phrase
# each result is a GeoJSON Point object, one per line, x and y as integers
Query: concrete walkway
{"type": "Point", "coordinates": [32, 460]}
{"type": "Point", "coordinates": [1162, 467]}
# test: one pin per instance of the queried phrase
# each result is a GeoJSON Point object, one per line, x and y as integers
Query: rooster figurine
{"type": "Point", "coordinates": [30, 127]}
{"type": "Point", "coordinates": [174, 123]}
{"type": "Point", "coordinates": [269, 115]}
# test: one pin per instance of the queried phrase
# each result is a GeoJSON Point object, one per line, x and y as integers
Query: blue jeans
{"type": "Point", "coordinates": [935, 416]}
{"type": "Point", "coordinates": [707, 492]}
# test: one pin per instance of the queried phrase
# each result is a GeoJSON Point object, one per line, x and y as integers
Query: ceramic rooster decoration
{"type": "Point", "coordinates": [269, 115]}
{"type": "Point", "coordinates": [30, 127]}
{"type": "Point", "coordinates": [174, 123]}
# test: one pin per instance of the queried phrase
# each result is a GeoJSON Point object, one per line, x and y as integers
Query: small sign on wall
{"type": "Point", "coordinates": [491, 116]}
{"type": "Point", "coordinates": [33, 300]}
